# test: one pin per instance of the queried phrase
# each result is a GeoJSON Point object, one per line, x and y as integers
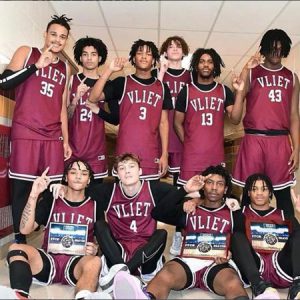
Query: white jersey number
{"type": "Point", "coordinates": [206, 119]}
{"type": "Point", "coordinates": [275, 96]}
{"type": "Point", "coordinates": [86, 115]}
{"type": "Point", "coordinates": [143, 111]}
{"type": "Point", "coordinates": [47, 89]}
{"type": "Point", "coordinates": [133, 226]}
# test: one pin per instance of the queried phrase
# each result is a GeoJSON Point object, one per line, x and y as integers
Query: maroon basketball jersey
{"type": "Point", "coordinates": [39, 102]}
{"type": "Point", "coordinates": [140, 113]}
{"type": "Point", "coordinates": [203, 128]}
{"type": "Point", "coordinates": [175, 84]}
{"type": "Point", "coordinates": [62, 212]}
{"type": "Point", "coordinates": [269, 99]}
{"type": "Point", "coordinates": [130, 218]}
{"type": "Point", "coordinates": [86, 130]}
{"type": "Point", "coordinates": [275, 216]}
{"type": "Point", "coordinates": [214, 221]}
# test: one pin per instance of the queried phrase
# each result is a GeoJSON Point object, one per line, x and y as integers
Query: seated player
{"type": "Point", "coordinates": [200, 269]}
{"type": "Point", "coordinates": [274, 259]}
{"type": "Point", "coordinates": [58, 262]}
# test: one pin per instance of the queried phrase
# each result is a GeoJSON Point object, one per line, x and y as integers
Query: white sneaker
{"type": "Point", "coordinates": [127, 286]}
{"type": "Point", "coordinates": [106, 282]}
{"type": "Point", "coordinates": [176, 244]}
{"type": "Point", "coordinates": [9, 293]}
{"type": "Point", "coordinates": [269, 293]}
{"type": "Point", "coordinates": [99, 295]}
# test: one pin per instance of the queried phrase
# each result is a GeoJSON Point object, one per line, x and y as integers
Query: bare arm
{"type": "Point", "coordinates": [178, 124]}
{"type": "Point", "coordinates": [28, 224]}
{"type": "Point", "coordinates": [164, 136]}
{"type": "Point", "coordinates": [294, 127]}
{"type": "Point", "coordinates": [97, 91]}
{"type": "Point", "coordinates": [64, 120]}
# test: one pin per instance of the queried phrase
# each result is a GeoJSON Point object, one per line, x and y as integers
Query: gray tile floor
{"type": "Point", "coordinates": [57, 291]}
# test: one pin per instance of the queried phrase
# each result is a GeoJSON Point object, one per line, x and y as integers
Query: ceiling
{"type": "Point", "coordinates": [233, 28]}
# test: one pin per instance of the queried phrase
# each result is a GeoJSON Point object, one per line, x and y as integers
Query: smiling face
{"type": "Point", "coordinates": [143, 58]}
{"type": "Point", "coordinates": [214, 190]}
{"type": "Point", "coordinates": [174, 51]}
{"type": "Point", "coordinates": [57, 36]}
{"type": "Point", "coordinates": [259, 195]}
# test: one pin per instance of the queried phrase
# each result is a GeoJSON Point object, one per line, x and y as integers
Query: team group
{"type": "Point", "coordinates": [170, 120]}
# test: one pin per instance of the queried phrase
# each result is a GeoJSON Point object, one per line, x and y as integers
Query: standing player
{"type": "Point", "coordinates": [219, 274]}
{"type": "Point", "coordinates": [87, 132]}
{"type": "Point", "coordinates": [175, 76]}
{"type": "Point", "coordinates": [143, 102]}
{"type": "Point", "coordinates": [199, 115]}
{"type": "Point", "coordinates": [280, 268]}
{"type": "Point", "coordinates": [47, 265]}
{"type": "Point", "coordinates": [39, 129]}
{"type": "Point", "coordinates": [271, 120]}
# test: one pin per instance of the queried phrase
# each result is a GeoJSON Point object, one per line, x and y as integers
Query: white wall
{"type": "Point", "coordinates": [23, 23]}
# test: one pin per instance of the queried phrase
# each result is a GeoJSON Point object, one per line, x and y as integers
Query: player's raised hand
{"type": "Point", "coordinates": [296, 200]}
{"type": "Point", "coordinates": [232, 204]}
{"type": "Point", "coordinates": [237, 83]}
{"type": "Point", "coordinates": [118, 64]}
{"type": "Point", "coordinates": [91, 249]}
{"type": "Point", "coordinates": [81, 89]}
{"type": "Point", "coordinates": [46, 58]}
{"type": "Point", "coordinates": [163, 63]}
{"type": "Point", "coordinates": [58, 190]}
{"type": "Point", "coordinates": [255, 60]}
{"type": "Point", "coordinates": [40, 184]}
{"type": "Point", "coordinates": [195, 183]}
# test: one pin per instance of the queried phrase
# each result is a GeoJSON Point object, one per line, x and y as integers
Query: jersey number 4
{"type": "Point", "coordinates": [133, 226]}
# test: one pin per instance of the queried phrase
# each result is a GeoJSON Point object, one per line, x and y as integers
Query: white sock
{"type": "Point", "coordinates": [82, 294]}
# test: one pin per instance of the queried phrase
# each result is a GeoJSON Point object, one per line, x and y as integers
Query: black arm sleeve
{"type": "Point", "coordinates": [113, 116]}
{"type": "Point", "coordinates": [229, 100]}
{"type": "Point", "coordinates": [169, 209]}
{"type": "Point", "coordinates": [113, 90]}
{"type": "Point", "coordinates": [10, 79]}
{"type": "Point", "coordinates": [294, 222]}
{"type": "Point", "coordinates": [181, 100]}
{"type": "Point", "coordinates": [238, 221]}
{"type": "Point", "coordinates": [43, 208]}
{"type": "Point", "coordinates": [167, 104]}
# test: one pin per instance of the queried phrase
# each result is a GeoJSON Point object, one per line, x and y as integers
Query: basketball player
{"type": "Point", "coordinates": [143, 102]}
{"type": "Point", "coordinates": [42, 265]}
{"type": "Point", "coordinates": [280, 268]}
{"type": "Point", "coordinates": [86, 131]}
{"type": "Point", "coordinates": [199, 115]}
{"type": "Point", "coordinates": [219, 275]}
{"type": "Point", "coordinates": [39, 135]}
{"type": "Point", "coordinates": [271, 120]}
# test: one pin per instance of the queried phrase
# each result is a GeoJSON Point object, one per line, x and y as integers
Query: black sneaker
{"type": "Point", "coordinates": [294, 291]}
{"type": "Point", "coordinates": [259, 288]}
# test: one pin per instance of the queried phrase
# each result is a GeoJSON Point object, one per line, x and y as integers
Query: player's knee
{"type": "Point", "coordinates": [16, 252]}
{"type": "Point", "coordinates": [232, 282]}
{"type": "Point", "coordinates": [167, 274]}
{"type": "Point", "coordinates": [92, 264]}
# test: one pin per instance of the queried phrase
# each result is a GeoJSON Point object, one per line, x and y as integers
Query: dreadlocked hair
{"type": "Point", "coordinates": [217, 60]}
{"type": "Point", "coordinates": [89, 41]}
{"type": "Point", "coordinates": [61, 20]}
{"type": "Point", "coordinates": [219, 170]}
{"type": "Point", "coordinates": [179, 41]}
{"type": "Point", "coordinates": [140, 44]}
{"type": "Point", "coordinates": [271, 38]}
{"type": "Point", "coordinates": [250, 182]}
{"type": "Point", "coordinates": [69, 166]}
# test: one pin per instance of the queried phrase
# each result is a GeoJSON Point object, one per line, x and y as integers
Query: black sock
{"type": "Point", "coordinates": [20, 275]}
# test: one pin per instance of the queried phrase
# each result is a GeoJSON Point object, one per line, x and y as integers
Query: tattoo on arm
{"type": "Point", "coordinates": [26, 215]}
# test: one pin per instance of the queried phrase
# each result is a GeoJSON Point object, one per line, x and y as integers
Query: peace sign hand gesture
{"type": "Point", "coordinates": [45, 59]}
{"type": "Point", "coordinates": [255, 60]}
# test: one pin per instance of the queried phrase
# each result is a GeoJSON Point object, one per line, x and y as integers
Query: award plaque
{"type": "Point", "coordinates": [205, 245]}
{"type": "Point", "coordinates": [67, 238]}
{"type": "Point", "coordinates": [267, 237]}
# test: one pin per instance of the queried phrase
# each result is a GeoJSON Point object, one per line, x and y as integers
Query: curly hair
{"type": "Point", "coordinates": [139, 44]}
{"type": "Point", "coordinates": [61, 20]}
{"type": "Point", "coordinates": [250, 182]}
{"type": "Point", "coordinates": [219, 170]}
{"type": "Point", "coordinates": [179, 41]}
{"type": "Point", "coordinates": [89, 41]}
{"type": "Point", "coordinates": [217, 60]}
{"type": "Point", "coordinates": [271, 38]}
